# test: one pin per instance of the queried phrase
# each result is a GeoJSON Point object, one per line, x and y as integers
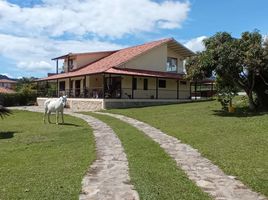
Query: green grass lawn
{"type": "Point", "coordinates": [153, 173]}
{"type": "Point", "coordinates": [43, 161]}
{"type": "Point", "coordinates": [238, 144]}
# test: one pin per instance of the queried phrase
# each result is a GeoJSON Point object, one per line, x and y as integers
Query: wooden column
{"type": "Point", "coordinates": [121, 86]}
{"type": "Point", "coordinates": [46, 88]}
{"type": "Point", "coordinates": [132, 92]}
{"type": "Point", "coordinates": [57, 90]}
{"type": "Point", "coordinates": [84, 85]}
{"type": "Point", "coordinates": [156, 88]}
{"type": "Point", "coordinates": [70, 87]}
{"type": "Point", "coordinates": [103, 86]}
{"type": "Point", "coordinates": [178, 89]}
{"type": "Point", "coordinates": [57, 66]}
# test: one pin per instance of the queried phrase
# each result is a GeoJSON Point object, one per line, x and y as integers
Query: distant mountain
{"type": "Point", "coordinates": [6, 77]}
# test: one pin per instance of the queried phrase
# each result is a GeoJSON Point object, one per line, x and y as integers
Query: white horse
{"type": "Point", "coordinates": [55, 106]}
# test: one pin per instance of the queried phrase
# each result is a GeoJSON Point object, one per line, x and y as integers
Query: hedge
{"type": "Point", "coordinates": [18, 99]}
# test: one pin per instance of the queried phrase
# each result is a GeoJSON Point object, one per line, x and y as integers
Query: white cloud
{"type": "Point", "coordinates": [99, 18]}
{"type": "Point", "coordinates": [196, 44]}
{"type": "Point", "coordinates": [8, 75]}
{"type": "Point", "coordinates": [34, 54]}
{"type": "Point", "coordinates": [35, 66]}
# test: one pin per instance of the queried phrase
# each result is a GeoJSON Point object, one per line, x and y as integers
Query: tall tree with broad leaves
{"type": "Point", "coordinates": [242, 62]}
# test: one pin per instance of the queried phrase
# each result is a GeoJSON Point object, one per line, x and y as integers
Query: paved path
{"type": "Point", "coordinates": [199, 169]}
{"type": "Point", "coordinates": [107, 178]}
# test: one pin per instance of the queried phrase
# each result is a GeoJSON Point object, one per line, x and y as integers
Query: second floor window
{"type": "Point", "coordinates": [172, 64]}
{"type": "Point", "coordinates": [70, 64]}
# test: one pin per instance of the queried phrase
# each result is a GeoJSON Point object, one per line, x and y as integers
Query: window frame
{"type": "Point", "coordinates": [162, 83]}
{"type": "Point", "coordinates": [169, 65]}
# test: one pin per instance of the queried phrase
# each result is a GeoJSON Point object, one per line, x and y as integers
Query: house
{"type": "Point", "coordinates": [7, 83]}
{"type": "Point", "coordinates": [4, 90]}
{"type": "Point", "coordinates": [148, 74]}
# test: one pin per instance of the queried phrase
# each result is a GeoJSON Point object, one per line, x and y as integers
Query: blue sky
{"type": "Point", "coordinates": [34, 31]}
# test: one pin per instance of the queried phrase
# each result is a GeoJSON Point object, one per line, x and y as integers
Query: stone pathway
{"type": "Point", "coordinates": [107, 178]}
{"type": "Point", "coordinates": [202, 171]}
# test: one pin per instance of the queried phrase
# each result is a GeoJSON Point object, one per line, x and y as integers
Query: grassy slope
{"type": "Point", "coordinates": [153, 173]}
{"type": "Point", "coordinates": [239, 145]}
{"type": "Point", "coordinates": [43, 161]}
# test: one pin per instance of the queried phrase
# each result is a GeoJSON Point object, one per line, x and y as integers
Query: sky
{"type": "Point", "coordinates": [32, 32]}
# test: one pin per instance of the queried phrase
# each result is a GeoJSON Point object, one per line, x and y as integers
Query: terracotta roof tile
{"type": "Point", "coordinates": [114, 60]}
{"type": "Point", "coordinates": [6, 90]}
{"type": "Point", "coordinates": [7, 81]}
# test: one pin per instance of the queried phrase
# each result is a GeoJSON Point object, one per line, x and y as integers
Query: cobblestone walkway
{"type": "Point", "coordinates": [199, 169]}
{"type": "Point", "coordinates": [107, 178]}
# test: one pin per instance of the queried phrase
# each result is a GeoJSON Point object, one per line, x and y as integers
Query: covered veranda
{"type": "Point", "coordinates": [118, 84]}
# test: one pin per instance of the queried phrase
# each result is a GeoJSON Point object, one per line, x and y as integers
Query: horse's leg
{"type": "Point", "coordinates": [48, 117]}
{"type": "Point", "coordinates": [44, 118]}
{"type": "Point", "coordinates": [57, 117]}
{"type": "Point", "coordinates": [62, 117]}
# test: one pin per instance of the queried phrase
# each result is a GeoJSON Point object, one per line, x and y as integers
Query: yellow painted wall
{"type": "Point", "coordinates": [96, 81]}
{"type": "Point", "coordinates": [155, 60]}
{"type": "Point", "coordinates": [170, 92]}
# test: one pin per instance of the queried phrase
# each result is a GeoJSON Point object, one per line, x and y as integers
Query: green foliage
{"type": "Point", "coordinates": [238, 61]}
{"type": "Point", "coordinates": [18, 99]}
{"type": "Point", "coordinates": [26, 94]}
{"type": "Point", "coordinates": [25, 85]}
{"type": "Point", "coordinates": [225, 92]}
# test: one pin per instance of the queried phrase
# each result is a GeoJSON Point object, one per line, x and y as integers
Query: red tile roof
{"type": "Point", "coordinates": [7, 81]}
{"type": "Point", "coordinates": [6, 90]}
{"type": "Point", "coordinates": [88, 54]}
{"type": "Point", "coordinates": [147, 73]}
{"type": "Point", "coordinates": [112, 61]}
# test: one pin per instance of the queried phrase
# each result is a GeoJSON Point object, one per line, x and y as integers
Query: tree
{"type": "Point", "coordinates": [26, 85]}
{"type": "Point", "coordinates": [4, 111]}
{"type": "Point", "coordinates": [239, 62]}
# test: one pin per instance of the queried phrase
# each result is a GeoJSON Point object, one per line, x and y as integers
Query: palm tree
{"type": "Point", "coordinates": [4, 111]}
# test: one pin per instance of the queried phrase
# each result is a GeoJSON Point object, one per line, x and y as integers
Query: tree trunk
{"type": "Point", "coordinates": [252, 105]}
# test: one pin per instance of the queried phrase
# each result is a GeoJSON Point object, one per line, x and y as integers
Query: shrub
{"type": "Point", "coordinates": [18, 99]}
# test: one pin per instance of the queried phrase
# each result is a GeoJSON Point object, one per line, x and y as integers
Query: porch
{"type": "Point", "coordinates": [115, 86]}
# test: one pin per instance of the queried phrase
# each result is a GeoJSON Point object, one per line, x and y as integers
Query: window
{"type": "Point", "coordinates": [172, 64]}
{"type": "Point", "coordinates": [134, 83]}
{"type": "Point", "coordinates": [145, 84]}
{"type": "Point", "coordinates": [183, 82]}
{"type": "Point", "coordinates": [162, 83]}
{"type": "Point", "coordinates": [62, 85]}
{"type": "Point", "coordinates": [70, 64]}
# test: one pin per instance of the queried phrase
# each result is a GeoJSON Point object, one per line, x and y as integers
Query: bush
{"type": "Point", "coordinates": [18, 99]}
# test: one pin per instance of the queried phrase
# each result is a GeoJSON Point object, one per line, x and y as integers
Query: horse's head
{"type": "Point", "coordinates": [64, 99]}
